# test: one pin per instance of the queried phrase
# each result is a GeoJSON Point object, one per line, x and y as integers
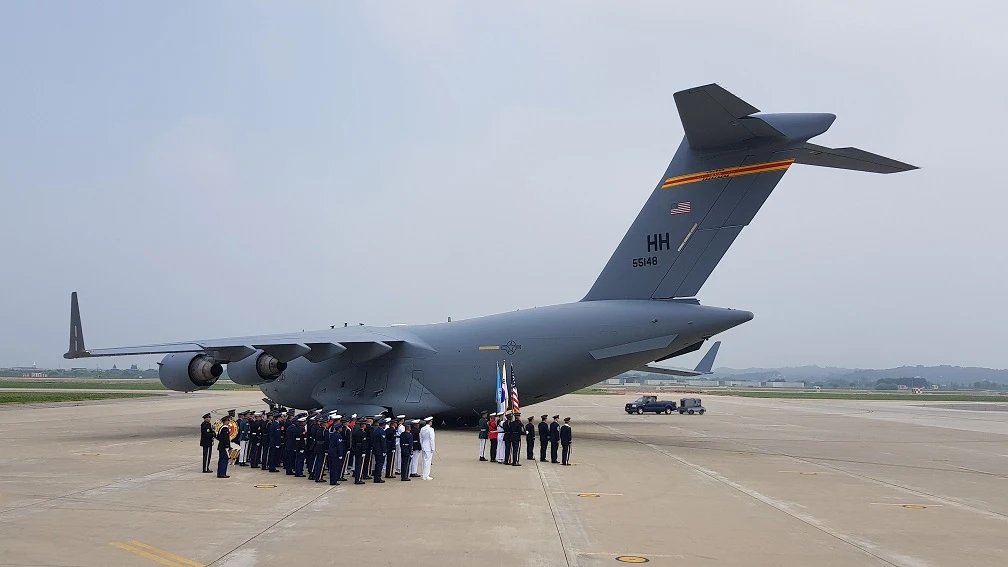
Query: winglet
{"type": "Point", "coordinates": [707, 362]}
{"type": "Point", "coordinates": [77, 349]}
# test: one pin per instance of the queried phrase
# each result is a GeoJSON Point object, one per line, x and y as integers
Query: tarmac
{"type": "Point", "coordinates": [752, 482]}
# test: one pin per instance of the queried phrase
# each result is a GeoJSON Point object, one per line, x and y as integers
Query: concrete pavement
{"type": "Point", "coordinates": [753, 482]}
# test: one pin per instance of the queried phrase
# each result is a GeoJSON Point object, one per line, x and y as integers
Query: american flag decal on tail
{"type": "Point", "coordinates": [681, 208]}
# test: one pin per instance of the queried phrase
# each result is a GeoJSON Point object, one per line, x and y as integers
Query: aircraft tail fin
{"type": "Point", "coordinates": [727, 164]}
{"type": "Point", "coordinates": [707, 362]}
{"type": "Point", "coordinates": [76, 349]}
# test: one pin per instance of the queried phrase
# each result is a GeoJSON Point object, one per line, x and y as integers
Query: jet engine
{"type": "Point", "coordinates": [254, 370]}
{"type": "Point", "coordinates": [186, 372]}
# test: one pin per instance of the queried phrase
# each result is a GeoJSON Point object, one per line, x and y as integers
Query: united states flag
{"type": "Point", "coordinates": [681, 208]}
{"type": "Point", "coordinates": [514, 391]}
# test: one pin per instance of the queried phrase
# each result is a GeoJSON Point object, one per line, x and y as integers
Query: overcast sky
{"type": "Point", "coordinates": [211, 169]}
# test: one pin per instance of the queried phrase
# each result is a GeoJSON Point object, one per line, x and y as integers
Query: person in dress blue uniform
{"type": "Point", "coordinates": [223, 446]}
{"type": "Point", "coordinates": [378, 450]}
{"type": "Point", "coordinates": [554, 429]}
{"type": "Point", "coordinates": [357, 447]}
{"type": "Point", "coordinates": [565, 440]}
{"type": "Point", "coordinates": [206, 441]}
{"type": "Point", "coordinates": [318, 432]}
{"type": "Point", "coordinates": [264, 434]}
{"type": "Point", "coordinates": [288, 461]}
{"type": "Point", "coordinates": [390, 445]}
{"type": "Point", "coordinates": [348, 427]}
{"type": "Point", "coordinates": [255, 439]}
{"type": "Point", "coordinates": [335, 450]}
{"type": "Point", "coordinates": [275, 443]}
{"type": "Point", "coordinates": [544, 435]}
{"type": "Point", "coordinates": [309, 452]}
{"type": "Point", "coordinates": [299, 446]}
{"type": "Point", "coordinates": [530, 435]}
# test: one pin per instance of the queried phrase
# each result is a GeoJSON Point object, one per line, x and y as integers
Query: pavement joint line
{"type": "Point", "coordinates": [779, 506]}
{"type": "Point", "coordinates": [556, 523]}
{"type": "Point", "coordinates": [817, 462]}
{"type": "Point", "coordinates": [906, 504]}
{"type": "Point", "coordinates": [274, 524]}
{"type": "Point", "coordinates": [83, 490]}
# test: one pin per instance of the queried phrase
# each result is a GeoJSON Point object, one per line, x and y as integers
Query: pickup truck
{"type": "Point", "coordinates": [650, 404]}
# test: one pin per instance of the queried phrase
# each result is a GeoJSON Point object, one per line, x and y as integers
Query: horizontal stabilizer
{"type": "Point", "coordinates": [849, 158]}
{"type": "Point", "coordinates": [705, 366]}
{"type": "Point", "coordinates": [707, 362]}
{"type": "Point", "coordinates": [713, 118]}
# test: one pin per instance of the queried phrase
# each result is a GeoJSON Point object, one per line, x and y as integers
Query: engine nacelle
{"type": "Point", "coordinates": [256, 369]}
{"type": "Point", "coordinates": [186, 372]}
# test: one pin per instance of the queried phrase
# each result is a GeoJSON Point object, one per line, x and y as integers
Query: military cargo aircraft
{"type": "Point", "coordinates": [641, 309]}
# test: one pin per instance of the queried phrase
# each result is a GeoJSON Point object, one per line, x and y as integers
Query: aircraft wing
{"type": "Point", "coordinates": [361, 344]}
{"type": "Point", "coordinates": [704, 367]}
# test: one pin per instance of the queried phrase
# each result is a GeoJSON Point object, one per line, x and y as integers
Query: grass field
{"type": "Point", "coordinates": [44, 397]}
{"type": "Point", "coordinates": [591, 392]}
{"type": "Point", "coordinates": [71, 384]}
{"type": "Point", "coordinates": [942, 397]}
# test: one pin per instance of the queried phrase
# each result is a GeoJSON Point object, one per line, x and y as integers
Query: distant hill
{"type": "Point", "coordinates": [934, 374]}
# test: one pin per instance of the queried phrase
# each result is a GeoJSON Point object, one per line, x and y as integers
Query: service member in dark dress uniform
{"type": "Point", "coordinates": [516, 439]}
{"type": "Point", "coordinates": [543, 437]}
{"type": "Point", "coordinates": [255, 441]}
{"type": "Point", "coordinates": [530, 434]}
{"type": "Point", "coordinates": [565, 440]}
{"type": "Point", "coordinates": [484, 434]}
{"type": "Point", "coordinates": [336, 452]}
{"type": "Point", "coordinates": [223, 446]}
{"type": "Point", "coordinates": [310, 443]}
{"type": "Point", "coordinates": [348, 427]}
{"type": "Point", "coordinates": [275, 443]}
{"type": "Point", "coordinates": [405, 451]}
{"type": "Point", "coordinates": [508, 435]}
{"type": "Point", "coordinates": [264, 435]}
{"type": "Point", "coordinates": [390, 444]}
{"type": "Point", "coordinates": [320, 446]}
{"type": "Point", "coordinates": [288, 455]}
{"type": "Point", "coordinates": [206, 441]}
{"type": "Point", "coordinates": [378, 450]}
{"type": "Point", "coordinates": [554, 429]}
{"type": "Point", "coordinates": [299, 446]}
{"type": "Point", "coordinates": [368, 430]}
{"type": "Point", "coordinates": [357, 446]}
{"type": "Point", "coordinates": [283, 422]}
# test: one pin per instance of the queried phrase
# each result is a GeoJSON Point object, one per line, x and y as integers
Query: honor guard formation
{"type": "Point", "coordinates": [504, 431]}
{"type": "Point", "coordinates": [313, 444]}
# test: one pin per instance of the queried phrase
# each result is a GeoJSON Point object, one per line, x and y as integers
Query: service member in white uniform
{"type": "Point", "coordinates": [397, 455]}
{"type": "Point", "coordinates": [427, 447]}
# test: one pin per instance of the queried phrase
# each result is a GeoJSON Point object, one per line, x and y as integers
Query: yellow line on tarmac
{"type": "Point", "coordinates": [167, 554]}
{"type": "Point", "coordinates": [144, 554]}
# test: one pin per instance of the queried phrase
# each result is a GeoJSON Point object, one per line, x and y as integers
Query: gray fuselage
{"type": "Point", "coordinates": [552, 350]}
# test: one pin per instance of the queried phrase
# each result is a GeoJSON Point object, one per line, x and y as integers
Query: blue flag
{"type": "Point", "coordinates": [500, 391]}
